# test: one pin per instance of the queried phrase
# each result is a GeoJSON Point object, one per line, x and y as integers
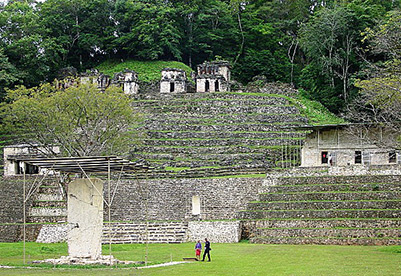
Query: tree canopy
{"type": "Point", "coordinates": [80, 119]}
{"type": "Point", "coordinates": [313, 44]}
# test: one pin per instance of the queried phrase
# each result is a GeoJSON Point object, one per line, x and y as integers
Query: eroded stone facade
{"type": "Point", "coordinates": [173, 81]}
{"type": "Point", "coordinates": [13, 155]}
{"type": "Point", "coordinates": [213, 77]}
{"type": "Point", "coordinates": [338, 145]}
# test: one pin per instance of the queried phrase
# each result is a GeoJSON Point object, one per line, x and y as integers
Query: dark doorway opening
{"type": "Point", "coordinates": [325, 158]}
{"type": "Point", "coordinates": [358, 157]}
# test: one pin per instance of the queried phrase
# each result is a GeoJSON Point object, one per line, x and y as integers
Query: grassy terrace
{"type": "Point", "coordinates": [227, 259]}
{"type": "Point", "coordinates": [321, 219]}
{"type": "Point", "coordinates": [148, 71]}
{"type": "Point", "coordinates": [331, 192]}
{"type": "Point", "coordinates": [313, 201]}
{"type": "Point", "coordinates": [224, 139]}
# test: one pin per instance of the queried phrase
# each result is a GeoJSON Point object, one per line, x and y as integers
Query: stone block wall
{"type": "Point", "coordinates": [214, 231]}
{"type": "Point", "coordinates": [15, 232]}
{"type": "Point", "coordinates": [140, 232]}
{"type": "Point", "coordinates": [11, 199]}
{"type": "Point", "coordinates": [171, 199]}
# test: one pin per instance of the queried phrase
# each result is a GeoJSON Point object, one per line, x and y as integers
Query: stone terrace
{"type": "Point", "coordinates": [326, 210]}
{"type": "Point", "coordinates": [220, 132]}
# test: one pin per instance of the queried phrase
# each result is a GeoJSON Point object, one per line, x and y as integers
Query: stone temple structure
{"type": "Point", "coordinates": [213, 77]}
{"type": "Point", "coordinates": [339, 145]}
{"type": "Point", "coordinates": [127, 80]}
{"type": "Point", "coordinates": [173, 81]}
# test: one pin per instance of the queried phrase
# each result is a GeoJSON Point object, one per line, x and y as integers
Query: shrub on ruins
{"type": "Point", "coordinates": [80, 119]}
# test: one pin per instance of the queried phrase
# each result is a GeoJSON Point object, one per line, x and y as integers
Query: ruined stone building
{"type": "Point", "coordinates": [127, 80]}
{"type": "Point", "coordinates": [339, 145]}
{"type": "Point", "coordinates": [213, 77]}
{"type": "Point", "coordinates": [173, 81]}
{"type": "Point", "coordinates": [13, 154]}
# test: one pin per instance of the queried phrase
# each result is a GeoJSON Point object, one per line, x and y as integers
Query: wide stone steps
{"type": "Point", "coordinates": [224, 101]}
{"type": "Point", "coordinates": [201, 157]}
{"type": "Point", "coordinates": [219, 142]}
{"type": "Point", "coordinates": [198, 173]}
{"type": "Point", "coordinates": [46, 219]}
{"type": "Point", "coordinates": [220, 134]}
{"type": "Point", "coordinates": [336, 187]}
{"type": "Point", "coordinates": [333, 195]}
{"type": "Point", "coordinates": [242, 117]}
{"type": "Point", "coordinates": [349, 179]}
{"type": "Point", "coordinates": [331, 232]}
{"type": "Point", "coordinates": [271, 93]}
{"type": "Point", "coordinates": [362, 209]}
{"type": "Point", "coordinates": [212, 164]}
{"type": "Point", "coordinates": [341, 204]}
{"type": "Point", "coordinates": [49, 197]}
{"type": "Point", "coordinates": [194, 151]}
{"type": "Point", "coordinates": [216, 123]}
{"type": "Point", "coordinates": [49, 204]}
{"type": "Point", "coordinates": [216, 109]}
{"type": "Point", "coordinates": [222, 120]}
{"type": "Point", "coordinates": [48, 211]}
{"type": "Point", "coordinates": [326, 240]}
{"type": "Point", "coordinates": [320, 213]}
{"type": "Point", "coordinates": [245, 126]}
{"type": "Point", "coordinates": [154, 232]}
{"type": "Point", "coordinates": [324, 223]}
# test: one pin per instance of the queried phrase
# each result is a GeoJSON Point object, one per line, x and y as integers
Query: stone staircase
{"type": "Point", "coordinates": [217, 133]}
{"type": "Point", "coordinates": [326, 210]}
{"type": "Point", "coordinates": [139, 232]}
{"type": "Point", "coordinates": [49, 204]}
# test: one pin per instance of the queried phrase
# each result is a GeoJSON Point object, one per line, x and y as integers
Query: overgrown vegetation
{"type": "Point", "coordinates": [320, 46]}
{"type": "Point", "coordinates": [316, 113]}
{"type": "Point", "coordinates": [148, 71]}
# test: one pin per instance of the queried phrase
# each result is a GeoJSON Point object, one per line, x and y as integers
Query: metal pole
{"type": "Point", "coordinates": [282, 150]}
{"type": "Point", "coordinates": [109, 206]}
{"type": "Point", "coordinates": [147, 221]}
{"type": "Point", "coordinates": [24, 212]}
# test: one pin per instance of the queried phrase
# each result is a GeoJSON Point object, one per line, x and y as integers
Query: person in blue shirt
{"type": "Point", "coordinates": [198, 250]}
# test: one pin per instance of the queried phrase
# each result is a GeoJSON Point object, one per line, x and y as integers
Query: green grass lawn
{"type": "Point", "coordinates": [227, 259]}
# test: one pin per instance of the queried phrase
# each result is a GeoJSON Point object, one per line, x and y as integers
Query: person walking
{"type": "Point", "coordinates": [207, 250]}
{"type": "Point", "coordinates": [198, 250]}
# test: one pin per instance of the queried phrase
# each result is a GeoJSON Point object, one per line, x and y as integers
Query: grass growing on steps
{"type": "Point", "coordinates": [316, 113]}
{"type": "Point", "coordinates": [227, 259]}
{"type": "Point", "coordinates": [148, 71]}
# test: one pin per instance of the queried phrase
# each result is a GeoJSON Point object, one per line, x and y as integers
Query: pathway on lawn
{"type": "Point", "coordinates": [161, 265]}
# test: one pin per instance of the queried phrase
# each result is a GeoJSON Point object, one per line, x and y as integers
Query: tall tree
{"type": "Point", "coordinates": [80, 119]}
{"type": "Point", "coordinates": [329, 41]}
{"type": "Point", "coordinates": [380, 95]}
{"type": "Point", "coordinates": [147, 30]}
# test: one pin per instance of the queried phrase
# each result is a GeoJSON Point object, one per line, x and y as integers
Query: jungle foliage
{"type": "Point", "coordinates": [320, 46]}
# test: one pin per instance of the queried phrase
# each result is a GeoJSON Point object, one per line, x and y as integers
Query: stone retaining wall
{"type": "Point", "coordinates": [171, 199]}
{"type": "Point", "coordinates": [214, 231]}
{"type": "Point", "coordinates": [15, 232]}
{"type": "Point", "coordinates": [134, 232]}
{"type": "Point", "coordinates": [11, 199]}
